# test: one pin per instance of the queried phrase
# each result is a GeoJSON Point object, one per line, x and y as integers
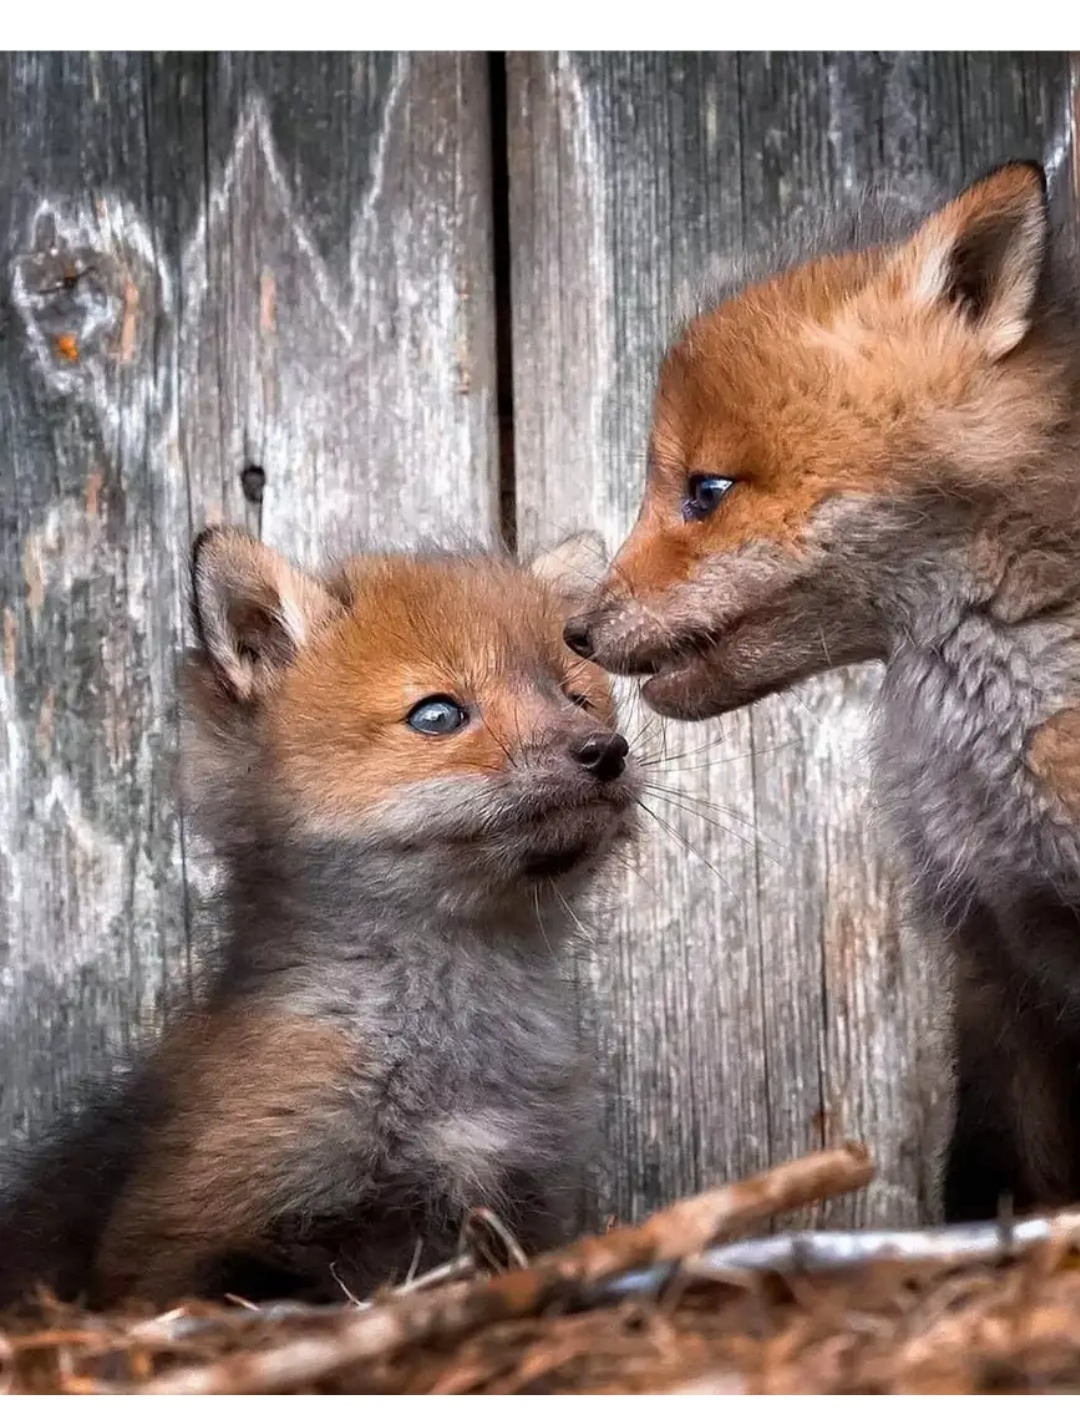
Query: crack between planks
{"type": "Point", "coordinates": [504, 369]}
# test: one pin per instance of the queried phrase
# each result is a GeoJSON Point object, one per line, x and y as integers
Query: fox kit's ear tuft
{"type": "Point", "coordinates": [575, 567]}
{"type": "Point", "coordinates": [984, 253]}
{"type": "Point", "coordinates": [252, 609]}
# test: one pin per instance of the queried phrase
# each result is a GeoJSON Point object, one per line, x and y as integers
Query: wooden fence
{"type": "Point", "coordinates": [339, 295]}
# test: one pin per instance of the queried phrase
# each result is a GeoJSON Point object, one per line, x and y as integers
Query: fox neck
{"type": "Point", "coordinates": [987, 653]}
{"type": "Point", "coordinates": [924, 563]}
{"type": "Point", "coordinates": [304, 904]}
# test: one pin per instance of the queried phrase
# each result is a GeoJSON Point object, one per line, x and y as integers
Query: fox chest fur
{"type": "Point", "coordinates": [963, 759]}
{"type": "Point", "coordinates": [463, 1067]}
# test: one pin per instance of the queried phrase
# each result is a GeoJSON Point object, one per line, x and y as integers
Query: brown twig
{"type": "Point", "coordinates": [560, 1278]}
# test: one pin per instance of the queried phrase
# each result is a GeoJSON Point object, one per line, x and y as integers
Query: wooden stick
{"type": "Point", "coordinates": [950, 1246]}
{"type": "Point", "coordinates": [678, 1232]}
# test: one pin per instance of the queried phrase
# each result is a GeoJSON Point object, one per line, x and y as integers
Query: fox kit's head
{"type": "Point", "coordinates": [832, 449]}
{"type": "Point", "coordinates": [422, 708]}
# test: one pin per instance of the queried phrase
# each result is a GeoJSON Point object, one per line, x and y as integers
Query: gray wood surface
{"type": "Point", "coordinates": [257, 287]}
{"type": "Point", "coordinates": [263, 287]}
{"type": "Point", "coordinates": [761, 996]}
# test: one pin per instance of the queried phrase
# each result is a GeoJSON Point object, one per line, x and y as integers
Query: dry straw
{"type": "Point", "coordinates": [664, 1306]}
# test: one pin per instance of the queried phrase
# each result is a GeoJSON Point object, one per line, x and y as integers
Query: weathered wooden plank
{"type": "Point", "coordinates": [88, 837]}
{"type": "Point", "coordinates": [211, 265]}
{"type": "Point", "coordinates": [344, 290]}
{"type": "Point", "coordinates": [760, 1002]}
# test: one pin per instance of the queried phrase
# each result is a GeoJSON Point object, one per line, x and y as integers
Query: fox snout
{"type": "Point", "coordinates": [578, 635]}
{"type": "Point", "coordinates": [602, 755]}
{"type": "Point", "coordinates": [623, 637]}
{"type": "Point", "coordinates": [577, 763]}
{"type": "Point", "coordinates": [713, 646]}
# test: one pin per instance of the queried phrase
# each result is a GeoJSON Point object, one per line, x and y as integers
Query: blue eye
{"type": "Point", "coordinates": [437, 715]}
{"type": "Point", "coordinates": [704, 494]}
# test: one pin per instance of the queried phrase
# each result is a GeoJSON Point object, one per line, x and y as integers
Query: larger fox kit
{"type": "Point", "coordinates": [413, 784]}
{"type": "Point", "coordinates": [875, 454]}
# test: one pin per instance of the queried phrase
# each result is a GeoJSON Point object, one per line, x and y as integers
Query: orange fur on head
{"type": "Point", "coordinates": [482, 632]}
{"type": "Point", "coordinates": [849, 375]}
{"type": "Point", "coordinates": [317, 677]}
{"type": "Point", "coordinates": [836, 400]}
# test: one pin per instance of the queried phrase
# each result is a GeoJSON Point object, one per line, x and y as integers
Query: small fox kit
{"type": "Point", "coordinates": [875, 454]}
{"type": "Point", "coordinates": [413, 785]}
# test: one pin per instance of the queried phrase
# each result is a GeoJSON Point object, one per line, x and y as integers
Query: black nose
{"type": "Point", "coordinates": [576, 635]}
{"type": "Point", "coordinates": [602, 755]}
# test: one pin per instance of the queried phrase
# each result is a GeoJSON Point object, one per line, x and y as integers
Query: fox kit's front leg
{"type": "Point", "coordinates": [1016, 1140]}
{"type": "Point", "coordinates": [544, 1212]}
{"type": "Point", "coordinates": [237, 1147]}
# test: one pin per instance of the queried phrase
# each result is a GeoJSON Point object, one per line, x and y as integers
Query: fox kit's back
{"type": "Point", "coordinates": [413, 785]}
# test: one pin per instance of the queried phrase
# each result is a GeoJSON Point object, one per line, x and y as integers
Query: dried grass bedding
{"type": "Point", "coordinates": [666, 1306]}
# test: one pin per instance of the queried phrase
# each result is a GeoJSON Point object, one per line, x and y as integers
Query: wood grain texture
{"type": "Point", "coordinates": [762, 996]}
{"type": "Point", "coordinates": [261, 287]}
{"type": "Point", "coordinates": [211, 265]}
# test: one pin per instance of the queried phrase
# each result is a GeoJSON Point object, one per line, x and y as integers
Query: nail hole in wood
{"type": "Point", "coordinates": [253, 481]}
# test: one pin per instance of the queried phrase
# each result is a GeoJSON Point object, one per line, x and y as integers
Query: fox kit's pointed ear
{"type": "Point", "coordinates": [252, 609]}
{"type": "Point", "coordinates": [983, 254]}
{"type": "Point", "coordinates": [575, 567]}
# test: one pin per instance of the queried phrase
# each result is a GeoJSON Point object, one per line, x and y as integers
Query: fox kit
{"type": "Point", "coordinates": [875, 454]}
{"type": "Point", "coordinates": [413, 785]}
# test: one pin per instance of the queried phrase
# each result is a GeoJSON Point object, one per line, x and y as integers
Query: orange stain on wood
{"type": "Point", "coordinates": [129, 322]}
{"type": "Point", "coordinates": [267, 301]}
{"type": "Point", "coordinates": [10, 632]}
{"type": "Point", "coordinates": [46, 717]}
{"type": "Point", "coordinates": [93, 493]}
{"type": "Point", "coordinates": [67, 347]}
{"type": "Point", "coordinates": [34, 575]}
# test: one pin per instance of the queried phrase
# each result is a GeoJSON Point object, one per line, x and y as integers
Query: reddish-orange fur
{"type": "Point", "coordinates": [1054, 755]}
{"type": "Point", "coordinates": [783, 388]}
{"type": "Point", "coordinates": [337, 724]}
{"type": "Point", "coordinates": [240, 1090]}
